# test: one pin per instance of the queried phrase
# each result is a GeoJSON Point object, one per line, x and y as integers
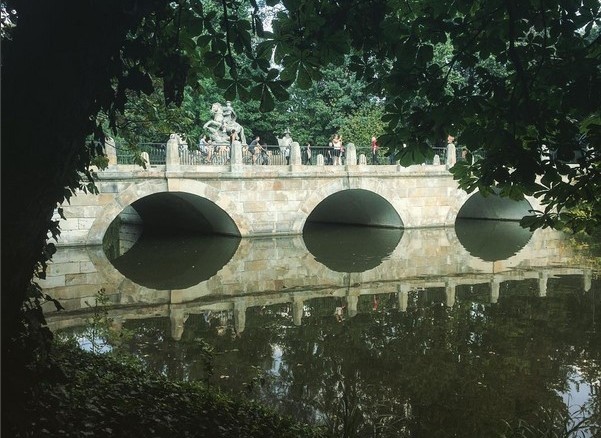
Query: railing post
{"type": "Point", "coordinates": [295, 154]}
{"type": "Point", "coordinates": [236, 156]}
{"type": "Point", "coordinates": [351, 155]}
{"type": "Point", "coordinates": [451, 155]}
{"type": "Point", "coordinates": [110, 150]}
{"type": "Point", "coordinates": [172, 152]}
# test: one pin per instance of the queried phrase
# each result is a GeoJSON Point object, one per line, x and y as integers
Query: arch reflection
{"type": "Point", "coordinates": [491, 240]}
{"type": "Point", "coordinates": [175, 262]}
{"type": "Point", "coordinates": [350, 248]}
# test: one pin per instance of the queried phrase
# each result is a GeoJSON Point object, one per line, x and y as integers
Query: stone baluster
{"type": "Point", "coordinates": [295, 154]}
{"type": "Point", "coordinates": [451, 155]}
{"type": "Point", "coordinates": [319, 161]}
{"type": "Point", "coordinates": [172, 153]}
{"type": "Point", "coordinates": [362, 160]}
{"type": "Point", "coordinates": [351, 154]}
{"type": "Point", "coordinates": [110, 150]}
{"type": "Point", "coordinates": [236, 157]}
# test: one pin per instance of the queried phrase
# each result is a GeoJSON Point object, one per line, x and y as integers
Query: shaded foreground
{"type": "Point", "coordinates": [95, 395]}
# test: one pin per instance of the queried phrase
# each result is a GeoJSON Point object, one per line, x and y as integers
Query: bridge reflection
{"type": "Point", "coordinates": [266, 271]}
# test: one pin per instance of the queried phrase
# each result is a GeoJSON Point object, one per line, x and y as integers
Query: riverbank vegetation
{"type": "Point", "coordinates": [77, 394]}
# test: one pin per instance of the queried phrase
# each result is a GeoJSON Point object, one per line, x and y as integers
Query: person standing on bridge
{"type": "Point", "coordinates": [374, 150]}
{"type": "Point", "coordinates": [337, 145]}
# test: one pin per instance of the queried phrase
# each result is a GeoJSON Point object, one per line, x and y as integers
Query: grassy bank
{"type": "Point", "coordinates": [97, 396]}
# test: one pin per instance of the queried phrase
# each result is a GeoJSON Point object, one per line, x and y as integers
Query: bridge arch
{"type": "Point", "coordinates": [217, 207]}
{"type": "Point", "coordinates": [340, 203]}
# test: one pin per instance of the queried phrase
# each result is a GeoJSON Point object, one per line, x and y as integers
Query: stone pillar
{"type": "Point", "coordinates": [319, 161]}
{"type": "Point", "coordinates": [351, 155]}
{"type": "Point", "coordinates": [451, 155]}
{"type": "Point", "coordinates": [297, 311]}
{"type": "Point", "coordinates": [450, 294]}
{"type": "Point", "coordinates": [146, 158]}
{"type": "Point", "coordinates": [110, 149]}
{"type": "Point", "coordinates": [239, 315]}
{"type": "Point", "coordinates": [495, 286]}
{"type": "Point", "coordinates": [362, 160]}
{"type": "Point", "coordinates": [295, 154]}
{"type": "Point", "coordinates": [436, 160]}
{"type": "Point", "coordinates": [236, 153]}
{"type": "Point", "coordinates": [172, 152]}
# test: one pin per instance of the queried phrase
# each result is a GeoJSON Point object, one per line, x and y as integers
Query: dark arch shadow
{"type": "Point", "coordinates": [491, 240]}
{"type": "Point", "coordinates": [348, 248]}
{"type": "Point", "coordinates": [356, 207]}
{"type": "Point", "coordinates": [165, 262]}
{"type": "Point", "coordinates": [494, 207]}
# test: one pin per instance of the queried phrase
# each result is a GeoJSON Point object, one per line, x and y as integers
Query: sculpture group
{"type": "Point", "coordinates": [223, 123]}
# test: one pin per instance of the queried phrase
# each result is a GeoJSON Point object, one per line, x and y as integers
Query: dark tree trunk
{"type": "Point", "coordinates": [57, 72]}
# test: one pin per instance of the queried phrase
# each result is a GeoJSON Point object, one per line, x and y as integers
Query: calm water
{"type": "Point", "coordinates": [474, 331]}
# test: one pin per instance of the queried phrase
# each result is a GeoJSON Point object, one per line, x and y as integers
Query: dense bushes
{"type": "Point", "coordinates": [94, 395]}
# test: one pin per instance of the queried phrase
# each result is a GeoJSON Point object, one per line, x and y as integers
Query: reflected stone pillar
{"type": "Point", "coordinates": [297, 311]}
{"type": "Point", "coordinates": [178, 318]}
{"type": "Point", "coordinates": [495, 286]}
{"type": "Point", "coordinates": [450, 294]}
{"type": "Point", "coordinates": [116, 324]}
{"type": "Point", "coordinates": [239, 315]}
{"type": "Point", "coordinates": [351, 155]}
{"type": "Point", "coordinates": [351, 302]}
{"type": "Point", "coordinates": [588, 279]}
{"type": "Point", "coordinates": [403, 297]}
{"type": "Point", "coordinates": [542, 284]}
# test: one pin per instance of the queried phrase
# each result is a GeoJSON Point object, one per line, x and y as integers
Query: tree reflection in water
{"type": "Point", "coordinates": [429, 371]}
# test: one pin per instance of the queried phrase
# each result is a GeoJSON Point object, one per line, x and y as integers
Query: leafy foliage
{"type": "Point", "coordinates": [91, 395]}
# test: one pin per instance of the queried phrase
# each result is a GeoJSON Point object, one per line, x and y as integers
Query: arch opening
{"type": "Point", "coordinates": [493, 207]}
{"type": "Point", "coordinates": [356, 207]}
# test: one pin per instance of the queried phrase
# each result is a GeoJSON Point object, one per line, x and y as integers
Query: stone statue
{"type": "Point", "coordinates": [222, 124]}
{"type": "Point", "coordinates": [285, 141]}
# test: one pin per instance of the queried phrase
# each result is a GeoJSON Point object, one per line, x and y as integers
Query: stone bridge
{"type": "Point", "coordinates": [245, 200]}
{"type": "Point", "coordinates": [255, 277]}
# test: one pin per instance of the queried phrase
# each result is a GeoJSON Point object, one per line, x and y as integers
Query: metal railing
{"type": "Point", "coordinates": [156, 153]}
{"type": "Point", "coordinates": [272, 155]}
